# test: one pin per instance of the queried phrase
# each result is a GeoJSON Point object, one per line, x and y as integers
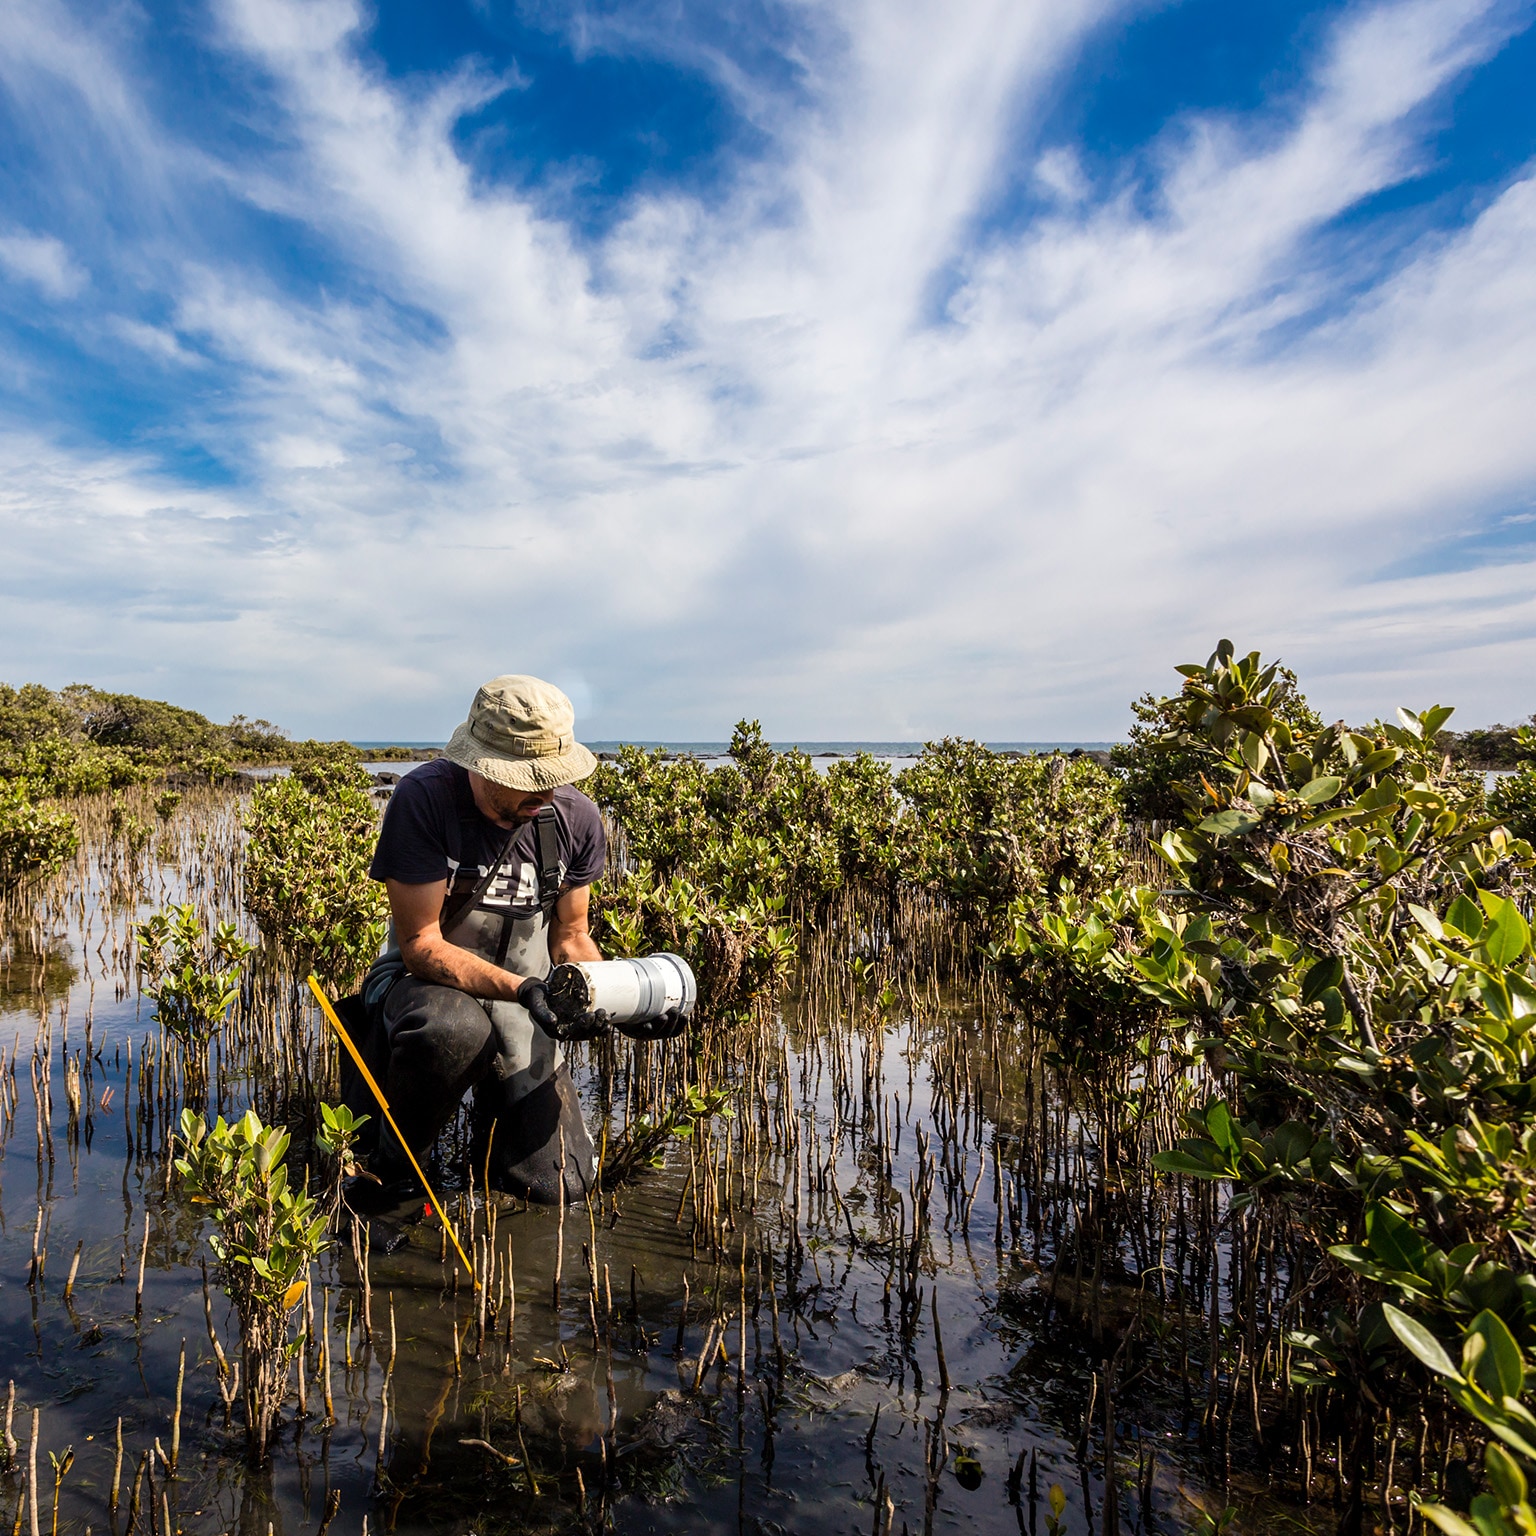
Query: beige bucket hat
{"type": "Point", "coordinates": [520, 734]}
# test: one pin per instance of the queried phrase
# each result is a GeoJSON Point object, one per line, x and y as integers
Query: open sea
{"type": "Point", "coordinates": [898, 753]}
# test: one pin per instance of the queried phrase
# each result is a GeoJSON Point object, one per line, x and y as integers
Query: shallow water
{"type": "Point", "coordinates": [829, 1387]}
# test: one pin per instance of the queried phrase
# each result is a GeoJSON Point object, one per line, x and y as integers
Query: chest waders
{"type": "Point", "coordinates": [525, 1055]}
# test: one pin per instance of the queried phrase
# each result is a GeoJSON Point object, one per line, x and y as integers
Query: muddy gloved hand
{"type": "Point", "coordinates": [584, 1026]}
{"type": "Point", "coordinates": [534, 996]}
{"type": "Point", "coordinates": [665, 1026]}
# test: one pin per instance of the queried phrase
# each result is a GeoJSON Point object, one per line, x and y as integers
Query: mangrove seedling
{"type": "Point", "coordinates": [133, 830]}
{"type": "Point", "coordinates": [61, 1466]}
{"type": "Point", "coordinates": [268, 1234]}
{"type": "Point", "coordinates": [645, 1143]}
{"type": "Point", "coordinates": [193, 981]}
{"type": "Point", "coordinates": [338, 1139]}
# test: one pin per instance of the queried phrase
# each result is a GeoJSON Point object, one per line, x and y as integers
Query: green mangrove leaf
{"type": "Point", "coordinates": [1497, 1001]}
{"type": "Point", "coordinates": [1448, 1520]}
{"type": "Point", "coordinates": [1507, 935]}
{"type": "Point", "coordinates": [1354, 1257]}
{"type": "Point", "coordinates": [1379, 760]}
{"type": "Point", "coordinates": [1427, 921]}
{"type": "Point", "coordinates": [1190, 1166]}
{"type": "Point", "coordinates": [1522, 1438]}
{"type": "Point", "coordinates": [1504, 1475]}
{"type": "Point", "coordinates": [1321, 789]}
{"type": "Point", "coordinates": [1421, 1342]}
{"type": "Point", "coordinates": [1393, 1241]}
{"type": "Point", "coordinates": [1333, 1007]}
{"type": "Point", "coordinates": [1230, 823]}
{"type": "Point", "coordinates": [1500, 1369]}
{"type": "Point", "coordinates": [1463, 917]}
{"type": "Point", "coordinates": [1327, 818]}
{"type": "Point", "coordinates": [1218, 1120]}
{"type": "Point", "coordinates": [1323, 974]}
{"type": "Point", "coordinates": [1292, 1142]}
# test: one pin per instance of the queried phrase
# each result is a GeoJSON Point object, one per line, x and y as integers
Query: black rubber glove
{"type": "Point", "coordinates": [584, 1026]}
{"type": "Point", "coordinates": [665, 1026]}
{"type": "Point", "coordinates": [534, 996]}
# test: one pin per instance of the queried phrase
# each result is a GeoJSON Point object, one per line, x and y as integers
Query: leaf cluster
{"type": "Point", "coordinates": [192, 979]}
{"type": "Point", "coordinates": [35, 840]}
{"type": "Point", "coordinates": [1161, 769]}
{"type": "Point", "coordinates": [310, 842]}
{"type": "Point", "coordinates": [268, 1231]}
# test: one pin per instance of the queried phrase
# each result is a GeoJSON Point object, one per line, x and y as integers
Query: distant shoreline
{"type": "Point", "coordinates": [421, 751]}
{"type": "Point", "coordinates": [399, 751]}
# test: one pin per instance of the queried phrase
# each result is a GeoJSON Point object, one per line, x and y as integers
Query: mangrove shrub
{"type": "Point", "coordinates": [35, 840]}
{"type": "Point", "coordinates": [306, 871]}
{"type": "Point", "coordinates": [192, 979]}
{"type": "Point", "coordinates": [733, 866]}
{"type": "Point", "coordinates": [1343, 930]}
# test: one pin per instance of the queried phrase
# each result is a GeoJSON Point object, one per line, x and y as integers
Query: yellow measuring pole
{"type": "Point", "coordinates": [378, 1093]}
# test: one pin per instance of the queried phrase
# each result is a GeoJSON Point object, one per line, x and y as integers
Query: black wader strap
{"type": "Point", "coordinates": [547, 839]}
{"type": "Point", "coordinates": [452, 913]}
{"type": "Point", "coordinates": [547, 831]}
{"type": "Point", "coordinates": [507, 924]}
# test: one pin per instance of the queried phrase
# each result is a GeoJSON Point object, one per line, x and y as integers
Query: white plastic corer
{"type": "Point", "coordinates": [627, 991]}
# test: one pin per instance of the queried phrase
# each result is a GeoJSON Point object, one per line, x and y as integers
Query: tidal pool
{"type": "Point", "coordinates": [897, 1288]}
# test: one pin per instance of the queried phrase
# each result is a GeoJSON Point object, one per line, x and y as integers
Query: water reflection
{"type": "Point", "coordinates": [36, 969]}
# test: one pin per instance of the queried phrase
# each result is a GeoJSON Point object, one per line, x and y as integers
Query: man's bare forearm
{"type": "Point", "coordinates": [448, 965]}
{"type": "Point", "coordinates": [571, 943]}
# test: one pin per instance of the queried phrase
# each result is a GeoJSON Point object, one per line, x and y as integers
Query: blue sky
{"type": "Point", "coordinates": [880, 369]}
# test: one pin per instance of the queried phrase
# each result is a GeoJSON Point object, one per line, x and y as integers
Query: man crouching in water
{"type": "Point", "coordinates": [487, 854]}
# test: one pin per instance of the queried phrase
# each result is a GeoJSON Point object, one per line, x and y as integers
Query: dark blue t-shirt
{"type": "Point", "coordinates": [433, 831]}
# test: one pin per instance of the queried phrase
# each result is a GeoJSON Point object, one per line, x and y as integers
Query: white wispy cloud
{"type": "Point", "coordinates": [825, 445]}
{"type": "Point", "coordinates": [43, 262]}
